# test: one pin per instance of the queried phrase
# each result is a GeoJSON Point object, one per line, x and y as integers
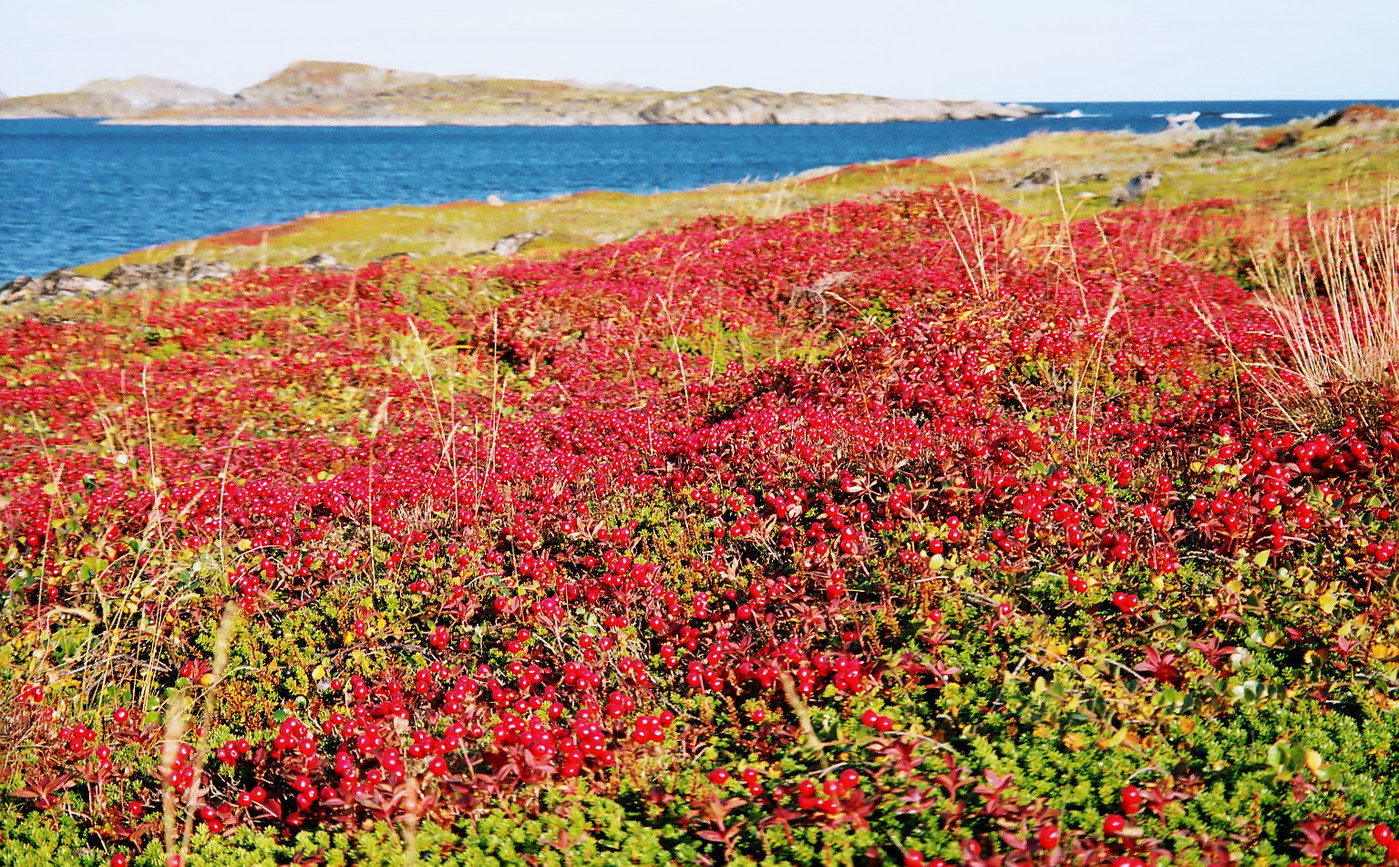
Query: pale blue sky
{"type": "Point", "coordinates": [1077, 50]}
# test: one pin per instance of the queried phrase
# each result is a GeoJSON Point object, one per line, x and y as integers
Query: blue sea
{"type": "Point", "coordinates": [74, 191]}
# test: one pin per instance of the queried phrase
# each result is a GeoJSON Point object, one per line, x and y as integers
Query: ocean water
{"type": "Point", "coordinates": [74, 191]}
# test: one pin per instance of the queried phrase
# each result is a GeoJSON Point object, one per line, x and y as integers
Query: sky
{"type": "Point", "coordinates": [1078, 50]}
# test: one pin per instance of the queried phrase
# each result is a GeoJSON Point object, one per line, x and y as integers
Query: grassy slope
{"type": "Point", "coordinates": [1331, 167]}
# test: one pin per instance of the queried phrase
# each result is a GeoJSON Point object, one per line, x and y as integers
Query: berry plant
{"type": "Point", "coordinates": [896, 531]}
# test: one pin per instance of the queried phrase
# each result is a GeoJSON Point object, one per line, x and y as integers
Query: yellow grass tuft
{"type": "Point", "coordinates": [1332, 289]}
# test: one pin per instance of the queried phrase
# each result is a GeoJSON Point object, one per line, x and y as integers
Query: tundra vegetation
{"type": "Point", "coordinates": [895, 528]}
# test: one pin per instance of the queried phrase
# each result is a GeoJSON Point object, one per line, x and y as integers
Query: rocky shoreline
{"type": "Point", "coordinates": [65, 283]}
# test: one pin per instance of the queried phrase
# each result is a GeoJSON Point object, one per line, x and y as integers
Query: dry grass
{"type": "Point", "coordinates": [1332, 288]}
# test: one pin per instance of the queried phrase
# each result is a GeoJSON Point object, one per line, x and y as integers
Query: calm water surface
{"type": "Point", "coordinates": [74, 191]}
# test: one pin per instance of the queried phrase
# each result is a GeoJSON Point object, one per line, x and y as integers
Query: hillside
{"type": "Point", "coordinates": [321, 92]}
{"type": "Point", "coordinates": [112, 97]}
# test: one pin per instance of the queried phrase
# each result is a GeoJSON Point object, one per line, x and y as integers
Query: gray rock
{"type": "Point", "coordinates": [321, 262]}
{"type": "Point", "coordinates": [53, 286]}
{"type": "Point", "coordinates": [64, 283]}
{"type": "Point", "coordinates": [128, 277]}
{"type": "Point", "coordinates": [1042, 177]}
{"type": "Point", "coordinates": [1138, 186]}
{"type": "Point", "coordinates": [16, 290]}
{"type": "Point", "coordinates": [172, 273]}
{"type": "Point", "coordinates": [511, 244]}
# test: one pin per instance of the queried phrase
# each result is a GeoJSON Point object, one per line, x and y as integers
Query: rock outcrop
{"type": "Point", "coordinates": [312, 92]}
{"type": "Point", "coordinates": [54, 286]}
{"type": "Point", "coordinates": [172, 273]}
{"type": "Point", "coordinates": [316, 82]}
{"type": "Point", "coordinates": [718, 105]}
{"type": "Point", "coordinates": [64, 284]}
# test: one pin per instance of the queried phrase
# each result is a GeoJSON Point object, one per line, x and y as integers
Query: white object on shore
{"type": "Point", "coordinates": [1185, 120]}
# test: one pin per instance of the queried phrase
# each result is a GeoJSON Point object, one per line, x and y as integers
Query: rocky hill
{"type": "Point", "coordinates": [114, 97]}
{"type": "Point", "coordinates": [351, 93]}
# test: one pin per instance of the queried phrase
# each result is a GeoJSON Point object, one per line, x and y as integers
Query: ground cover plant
{"type": "Point", "coordinates": [896, 531]}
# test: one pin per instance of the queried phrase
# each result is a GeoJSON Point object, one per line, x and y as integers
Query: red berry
{"type": "Point", "coordinates": [1048, 836]}
{"type": "Point", "coordinates": [1132, 800]}
{"type": "Point", "coordinates": [120, 859]}
{"type": "Point", "coordinates": [1383, 835]}
{"type": "Point", "coordinates": [718, 776]}
{"type": "Point", "coordinates": [1114, 824]}
{"type": "Point", "coordinates": [869, 718]}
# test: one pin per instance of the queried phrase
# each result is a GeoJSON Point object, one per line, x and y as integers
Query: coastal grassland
{"type": "Point", "coordinates": [1323, 168]}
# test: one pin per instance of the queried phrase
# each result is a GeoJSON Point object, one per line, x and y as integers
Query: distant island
{"type": "Point", "coordinates": [353, 94]}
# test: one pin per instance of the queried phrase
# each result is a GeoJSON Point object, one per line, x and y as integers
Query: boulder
{"type": "Point", "coordinates": [511, 244]}
{"type": "Point", "coordinates": [1138, 186]}
{"type": "Point", "coordinates": [1042, 177]}
{"type": "Point", "coordinates": [321, 262]}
